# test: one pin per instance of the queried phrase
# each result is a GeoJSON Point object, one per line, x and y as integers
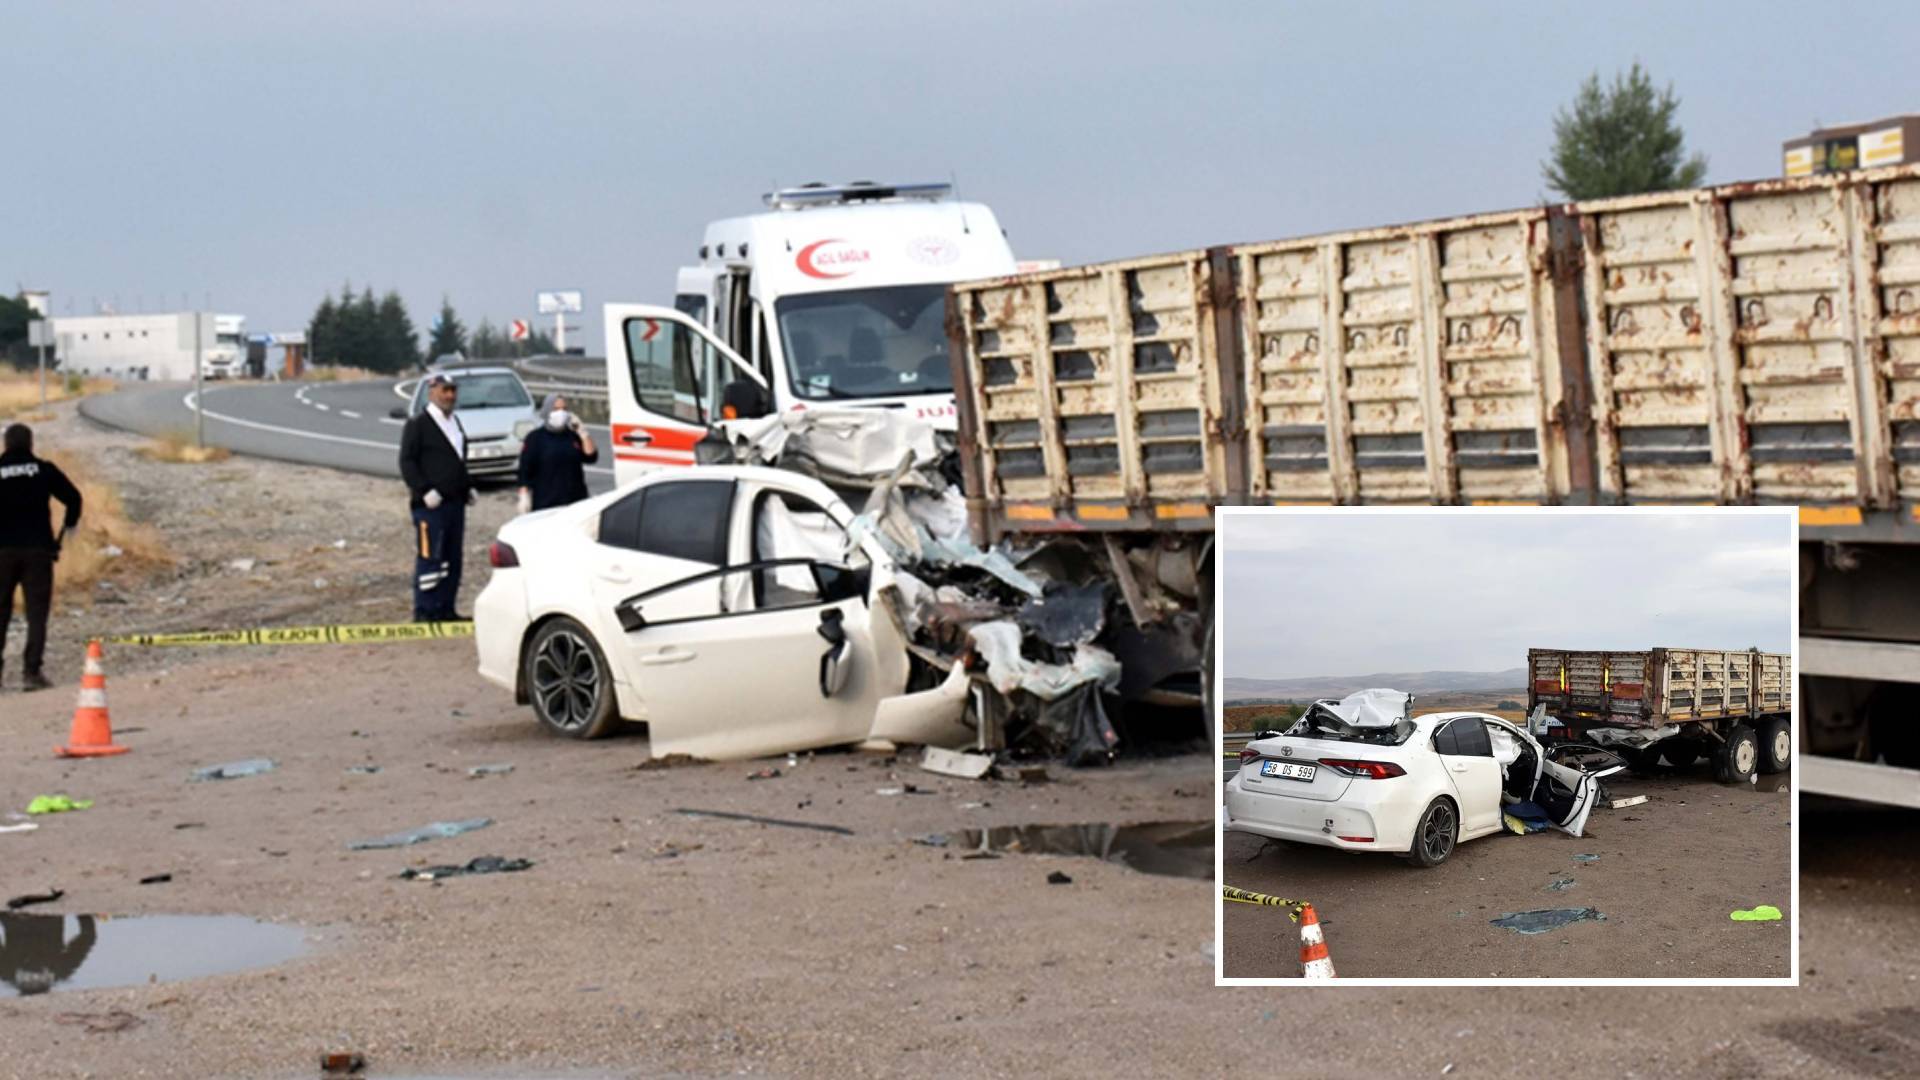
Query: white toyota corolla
{"type": "Point", "coordinates": [728, 607]}
{"type": "Point", "coordinates": [1361, 775]}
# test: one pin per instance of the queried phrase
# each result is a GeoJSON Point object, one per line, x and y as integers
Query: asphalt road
{"type": "Point", "coordinates": [341, 425]}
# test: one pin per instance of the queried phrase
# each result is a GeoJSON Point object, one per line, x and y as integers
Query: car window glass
{"type": "Point", "coordinates": [493, 391]}
{"type": "Point", "coordinates": [620, 522]}
{"type": "Point", "coordinates": [1444, 741]}
{"type": "Point", "coordinates": [667, 361]}
{"type": "Point", "coordinates": [1470, 734]}
{"type": "Point", "coordinates": [687, 519]}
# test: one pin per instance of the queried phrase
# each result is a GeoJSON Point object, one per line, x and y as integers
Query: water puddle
{"type": "Point", "coordinates": [1545, 919]}
{"type": "Point", "coordinates": [39, 953]}
{"type": "Point", "coordinates": [1173, 848]}
{"type": "Point", "coordinates": [1771, 782]}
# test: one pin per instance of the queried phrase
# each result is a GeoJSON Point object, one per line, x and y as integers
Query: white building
{"type": "Point", "coordinates": [148, 346]}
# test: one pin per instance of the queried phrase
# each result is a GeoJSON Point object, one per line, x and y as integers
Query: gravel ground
{"type": "Point", "coordinates": [1669, 871]}
{"type": "Point", "coordinates": [646, 943]}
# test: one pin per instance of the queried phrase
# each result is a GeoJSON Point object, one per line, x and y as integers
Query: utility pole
{"type": "Point", "coordinates": [199, 385]}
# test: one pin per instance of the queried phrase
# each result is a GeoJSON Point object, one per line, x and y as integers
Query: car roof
{"type": "Point", "coordinates": [464, 372]}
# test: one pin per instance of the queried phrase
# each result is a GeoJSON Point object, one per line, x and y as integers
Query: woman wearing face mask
{"type": "Point", "coordinates": [554, 457]}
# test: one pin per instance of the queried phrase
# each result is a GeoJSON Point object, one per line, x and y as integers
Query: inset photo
{"type": "Point", "coordinates": [1488, 744]}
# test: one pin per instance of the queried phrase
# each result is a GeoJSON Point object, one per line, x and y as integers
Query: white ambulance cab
{"type": "Point", "coordinates": [835, 297]}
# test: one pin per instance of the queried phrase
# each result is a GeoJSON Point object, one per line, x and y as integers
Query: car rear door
{"type": "Point", "coordinates": [665, 377]}
{"type": "Point", "coordinates": [1466, 750]}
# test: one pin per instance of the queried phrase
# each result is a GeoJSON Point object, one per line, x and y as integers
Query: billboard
{"type": "Point", "coordinates": [555, 303]}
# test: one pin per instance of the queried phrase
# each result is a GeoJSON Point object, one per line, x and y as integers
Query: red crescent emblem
{"type": "Point", "coordinates": [804, 260]}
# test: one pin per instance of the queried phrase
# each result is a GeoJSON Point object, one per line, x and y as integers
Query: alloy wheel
{"type": "Point", "coordinates": [1436, 834]}
{"type": "Point", "coordinates": [566, 680]}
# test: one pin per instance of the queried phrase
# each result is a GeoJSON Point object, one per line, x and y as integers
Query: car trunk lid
{"type": "Point", "coordinates": [1289, 750]}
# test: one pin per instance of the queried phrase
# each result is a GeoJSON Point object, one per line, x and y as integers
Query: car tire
{"type": "Point", "coordinates": [1735, 760]}
{"type": "Point", "coordinates": [1776, 744]}
{"type": "Point", "coordinates": [1643, 760]}
{"type": "Point", "coordinates": [568, 681]}
{"type": "Point", "coordinates": [1679, 753]}
{"type": "Point", "coordinates": [1435, 834]}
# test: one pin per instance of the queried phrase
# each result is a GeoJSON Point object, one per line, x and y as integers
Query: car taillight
{"type": "Point", "coordinates": [1248, 754]}
{"type": "Point", "coordinates": [499, 554]}
{"type": "Point", "coordinates": [1368, 770]}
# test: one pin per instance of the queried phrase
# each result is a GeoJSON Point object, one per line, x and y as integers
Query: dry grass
{"type": "Point", "coordinates": [20, 392]}
{"type": "Point", "coordinates": [106, 543]}
{"type": "Point", "coordinates": [335, 374]}
{"type": "Point", "coordinates": [177, 447]}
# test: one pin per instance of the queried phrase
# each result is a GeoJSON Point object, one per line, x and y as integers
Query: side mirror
{"type": "Point", "coordinates": [630, 618]}
{"type": "Point", "coordinates": [837, 661]}
{"type": "Point", "coordinates": [398, 412]}
{"type": "Point", "coordinates": [837, 583]}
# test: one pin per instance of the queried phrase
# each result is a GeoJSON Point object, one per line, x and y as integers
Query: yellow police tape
{"type": "Point", "coordinates": [1242, 896]}
{"type": "Point", "coordinates": [363, 634]}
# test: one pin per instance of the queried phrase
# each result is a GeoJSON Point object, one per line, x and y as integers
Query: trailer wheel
{"type": "Point", "coordinates": [1644, 760]}
{"type": "Point", "coordinates": [1680, 754]}
{"type": "Point", "coordinates": [1735, 760]}
{"type": "Point", "coordinates": [1776, 744]}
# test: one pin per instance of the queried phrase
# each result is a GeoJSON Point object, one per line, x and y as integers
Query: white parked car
{"type": "Point", "coordinates": [1361, 775]}
{"type": "Point", "coordinates": [728, 607]}
{"type": "Point", "coordinates": [494, 409]}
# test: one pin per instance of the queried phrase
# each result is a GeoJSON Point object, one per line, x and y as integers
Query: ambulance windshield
{"type": "Point", "coordinates": [866, 343]}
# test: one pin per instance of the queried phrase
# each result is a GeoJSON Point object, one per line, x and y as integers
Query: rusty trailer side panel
{"type": "Point", "coordinates": [1658, 686]}
{"type": "Point", "coordinates": [1410, 364]}
{"type": "Point", "coordinates": [1098, 394]}
{"type": "Point", "coordinates": [1751, 343]}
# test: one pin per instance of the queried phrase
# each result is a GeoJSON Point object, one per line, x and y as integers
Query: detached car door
{"type": "Point", "coordinates": [783, 661]}
{"type": "Point", "coordinates": [666, 375]}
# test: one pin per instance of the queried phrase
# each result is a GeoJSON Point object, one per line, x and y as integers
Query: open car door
{"type": "Point", "coordinates": [666, 378]}
{"type": "Point", "coordinates": [1565, 793]}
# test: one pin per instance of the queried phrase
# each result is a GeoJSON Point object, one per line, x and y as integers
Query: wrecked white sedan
{"type": "Point", "coordinates": [730, 608]}
{"type": "Point", "coordinates": [1360, 774]}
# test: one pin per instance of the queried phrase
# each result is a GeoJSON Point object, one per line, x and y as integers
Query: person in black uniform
{"type": "Point", "coordinates": [433, 462]}
{"type": "Point", "coordinates": [28, 547]}
{"type": "Point", "coordinates": [554, 459]}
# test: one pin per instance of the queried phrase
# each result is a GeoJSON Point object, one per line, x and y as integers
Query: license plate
{"type": "Point", "coordinates": [489, 451]}
{"type": "Point", "coordinates": [1288, 770]}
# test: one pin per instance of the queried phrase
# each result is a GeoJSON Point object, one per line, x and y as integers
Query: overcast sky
{"type": "Point", "coordinates": [1342, 593]}
{"type": "Point", "coordinates": [261, 153]}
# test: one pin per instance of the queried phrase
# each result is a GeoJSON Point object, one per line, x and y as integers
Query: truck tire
{"type": "Point", "coordinates": [1735, 760]}
{"type": "Point", "coordinates": [1435, 834]}
{"type": "Point", "coordinates": [1680, 753]}
{"type": "Point", "coordinates": [1776, 744]}
{"type": "Point", "coordinates": [1644, 760]}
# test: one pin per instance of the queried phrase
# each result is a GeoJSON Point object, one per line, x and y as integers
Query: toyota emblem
{"type": "Point", "coordinates": [1286, 751]}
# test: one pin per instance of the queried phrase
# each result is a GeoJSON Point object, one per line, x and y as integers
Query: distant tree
{"type": "Point", "coordinates": [322, 332]}
{"type": "Point", "coordinates": [1620, 140]}
{"type": "Point", "coordinates": [489, 343]}
{"type": "Point", "coordinates": [1509, 705]}
{"type": "Point", "coordinates": [399, 342]}
{"type": "Point", "coordinates": [14, 317]}
{"type": "Point", "coordinates": [449, 335]}
{"type": "Point", "coordinates": [538, 343]}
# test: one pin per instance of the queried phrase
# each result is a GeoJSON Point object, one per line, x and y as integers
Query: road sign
{"type": "Point", "coordinates": [553, 303]}
{"type": "Point", "coordinates": [39, 333]}
{"type": "Point", "coordinates": [517, 330]}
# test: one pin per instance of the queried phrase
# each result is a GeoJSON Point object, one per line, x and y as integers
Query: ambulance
{"type": "Point", "coordinates": [834, 297]}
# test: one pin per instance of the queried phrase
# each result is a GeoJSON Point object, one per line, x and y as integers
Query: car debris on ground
{"type": "Point", "coordinates": [233, 770]}
{"type": "Point", "coordinates": [435, 831]}
{"type": "Point", "coordinates": [1541, 920]}
{"type": "Point", "coordinates": [485, 864]}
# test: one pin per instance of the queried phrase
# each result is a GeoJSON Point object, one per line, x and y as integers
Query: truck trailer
{"type": "Point", "coordinates": [1754, 343]}
{"type": "Point", "coordinates": [1733, 707]}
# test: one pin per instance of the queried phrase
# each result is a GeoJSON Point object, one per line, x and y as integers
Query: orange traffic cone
{"type": "Point", "coordinates": [1315, 964]}
{"type": "Point", "coordinates": [92, 734]}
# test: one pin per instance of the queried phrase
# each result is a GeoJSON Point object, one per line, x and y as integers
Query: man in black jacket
{"type": "Point", "coordinates": [433, 462]}
{"type": "Point", "coordinates": [28, 547]}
